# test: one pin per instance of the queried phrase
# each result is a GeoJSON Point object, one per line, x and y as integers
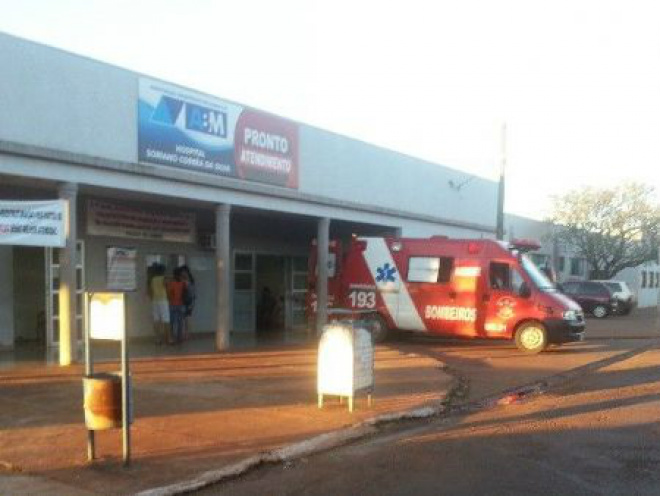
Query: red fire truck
{"type": "Point", "coordinates": [472, 288]}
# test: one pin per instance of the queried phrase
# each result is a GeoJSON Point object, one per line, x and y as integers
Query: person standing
{"type": "Point", "coordinates": [160, 309]}
{"type": "Point", "coordinates": [175, 290]}
{"type": "Point", "coordinates": [189, 297]}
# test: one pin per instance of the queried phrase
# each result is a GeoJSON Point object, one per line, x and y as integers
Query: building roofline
{"type": "Point", "coordinates": [236, 185]}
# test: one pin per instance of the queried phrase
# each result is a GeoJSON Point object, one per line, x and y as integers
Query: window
{"type": "Point", "coordinates": [538, 276]}
{"type": "Point", "coordinates": [651, 279]}
{"type": "Point", "coordinates": [517, 281]}
{"type": "Point", "coordinates": [657, 279]}
{"type": "Point", "coordinates": [561, 264]}
{"type": "Point", "coordinates": [643, 279]}
{"type": "Point", "coordinates": [243, 261]}
{"type": "Point", "coordinates": [614, 287]}
{"type": "Point", "coordinates": [430, 269]}
{"type": "Point", "coordinates": [504, 278]}
{"type": "Point", "coordinates": [576, 267]}
{"type": "Point", "coordinates": [594, 289]}
{"type": "Point", "coordinates": [539, 259]}
{"type": "Point", "coordinates": [500, 276]}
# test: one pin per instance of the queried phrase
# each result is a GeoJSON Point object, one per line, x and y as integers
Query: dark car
{"type": "Point", "coordinates": [594, 297]}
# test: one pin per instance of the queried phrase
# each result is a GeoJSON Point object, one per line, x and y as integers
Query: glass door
{"type": "Point", "coordinates": [53, 293]}
{"type": "Point", "coordinates": [296, 294]}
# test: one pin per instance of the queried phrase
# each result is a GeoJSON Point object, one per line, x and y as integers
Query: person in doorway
{"type": "Point", "coordinates": [160, 309]}
{"type": "Point", "coordinates": [266, 309]}
{"type": "Point", "coordinates": [175, 290]}
{"type": "Point", "coordinates": [189, 297]}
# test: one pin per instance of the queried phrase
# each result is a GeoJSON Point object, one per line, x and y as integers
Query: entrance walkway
{"type": "Point", "coordinates": [36, 355]}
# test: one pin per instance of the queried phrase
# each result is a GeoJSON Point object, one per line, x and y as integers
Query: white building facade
{"type": "Point", "coordinates": [150, 171]}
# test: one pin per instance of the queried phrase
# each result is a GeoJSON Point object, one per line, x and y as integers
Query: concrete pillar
{"type": "Point", "coordinates": [322, 245]}
{"type": "Point", "coordinates": [68, 302]}
{"type": "Point", "coordinates": [7, 331]}
{"type": "Point", "coordinates": [223, 308]}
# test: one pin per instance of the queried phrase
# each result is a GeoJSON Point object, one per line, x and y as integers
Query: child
{"type": "Point", "coordinates": [175, 290]}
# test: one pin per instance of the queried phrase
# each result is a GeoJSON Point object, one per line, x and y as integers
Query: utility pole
{"type": "Point", "coordinates": [500, 190]}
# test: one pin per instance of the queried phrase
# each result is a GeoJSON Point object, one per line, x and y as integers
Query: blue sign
{"type": "Point", "coordinates": [186, 129]}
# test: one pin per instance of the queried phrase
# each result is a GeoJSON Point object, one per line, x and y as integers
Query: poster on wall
{"type": "Point", "coordinates": [120, 221]}
{"type": "Point", "coordinates": [121, 268]}
{"type": "Point", "coordinates": [32, 223]}
{"type": "Point", "coordinates": [190, 130]}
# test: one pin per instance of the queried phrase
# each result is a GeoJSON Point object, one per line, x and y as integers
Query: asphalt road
{"type": "Point", "coordinates": [596, 432]}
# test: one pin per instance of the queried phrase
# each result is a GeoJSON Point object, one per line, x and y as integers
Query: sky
{"type": "Point", "coordinates": [577, 82]}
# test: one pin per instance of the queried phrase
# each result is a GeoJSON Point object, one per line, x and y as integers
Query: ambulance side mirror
{"type": "Point", "coordinates": [524, 291]}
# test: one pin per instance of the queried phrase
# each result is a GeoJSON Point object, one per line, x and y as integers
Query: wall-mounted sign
{"type": "Point", "coordinates": [122, 268]}
{"type": "Point", "coordinates": [120, 221]}
{"type": "Point", "coordinates": [32, 223]}
{"type": "Point", "coordinates": [182, 128]}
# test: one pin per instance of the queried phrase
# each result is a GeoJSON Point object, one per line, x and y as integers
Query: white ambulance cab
{"type": "Point", "coordinates": [451, 287]}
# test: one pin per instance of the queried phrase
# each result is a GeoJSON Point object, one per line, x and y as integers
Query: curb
{"type": "Point", "coordinates": [295, 451]}
{"type": "Point", "coordinates": [322, 442]}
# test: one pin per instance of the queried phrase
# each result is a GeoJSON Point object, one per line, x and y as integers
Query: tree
{"type": "Point", "coordinates": [611, 228]}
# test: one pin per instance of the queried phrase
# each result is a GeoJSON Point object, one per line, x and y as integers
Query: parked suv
{"type": "Point", "coordinates": [625, 298]}
{"type": "Point", "coordinates": [594, 297]}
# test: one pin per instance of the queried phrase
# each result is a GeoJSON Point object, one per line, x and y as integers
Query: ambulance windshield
{"type": "Point", "coordinates": [539, 278]}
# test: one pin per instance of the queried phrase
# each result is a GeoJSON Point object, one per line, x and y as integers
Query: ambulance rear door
{"type": "Point", "coordinates": [394, 300]}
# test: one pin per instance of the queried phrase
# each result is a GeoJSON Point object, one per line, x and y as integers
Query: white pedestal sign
{"type": "Point", "coordinates": [345, 363]}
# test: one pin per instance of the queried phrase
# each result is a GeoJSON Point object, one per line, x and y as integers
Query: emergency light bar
{"type": "Point", "coordinates": [524, 245]}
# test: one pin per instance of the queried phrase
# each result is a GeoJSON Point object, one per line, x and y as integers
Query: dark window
{"type": "Point", "coordinates": [594, 289]}
{"type": "Point", "coordinates": [446, 266]}
{"type": "Point", "coordinates": [500, 276]}
{"type": "Point", "coordinates": [242, 261]}
{"type": "Point", "coordinates": [242, 281]}
{"type": "Point", "coordinates": [586, 289]}
{"type": "Point", "coordinates": [614, 286]}
{"type": "Point", "coordinates": [561, 264]}
{"type": "Point", "coordinates": [576, 267]}
{"type": "Point", "coordinates": [643, 279]}
{"type": "Point", "coordinates": [539, 259]}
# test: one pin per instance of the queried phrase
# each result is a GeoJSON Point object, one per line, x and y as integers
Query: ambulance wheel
{"type": "Point", "coordinates": [531, 337]}
{"type": "Point", "coordinates": [378, 328]}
